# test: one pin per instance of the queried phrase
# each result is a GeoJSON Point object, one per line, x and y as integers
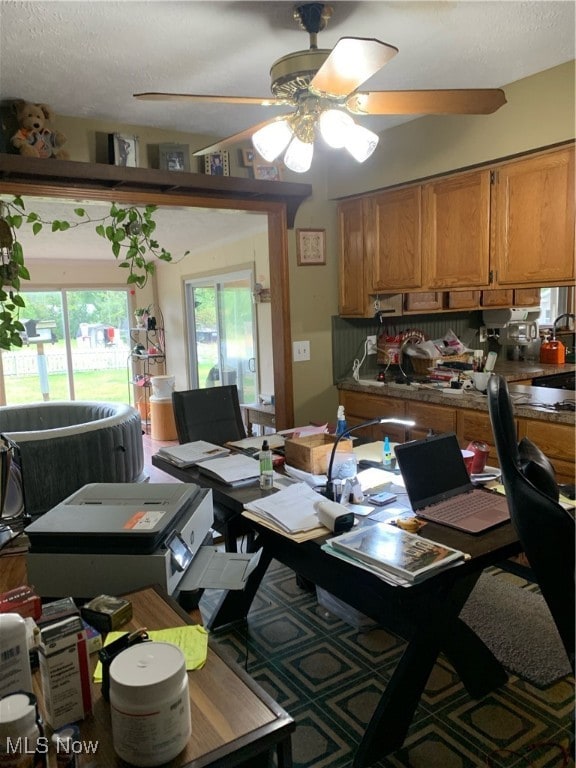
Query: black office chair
{"type": "Point", "coordinates": [213, 414]}
{"type": "Point", "coordinates": [545, 529]}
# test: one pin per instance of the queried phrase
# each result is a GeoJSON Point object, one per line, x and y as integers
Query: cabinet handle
{"type": "Point", "coordinates": [491, 277]}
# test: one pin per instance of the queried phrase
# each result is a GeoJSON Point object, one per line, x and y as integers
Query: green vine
{"type": "Point", "coordinates": [130, 232]}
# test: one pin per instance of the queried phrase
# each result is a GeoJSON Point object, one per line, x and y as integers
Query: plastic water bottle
{"type": "Point", "coordinates": [266, 468]}
{"type": "Point", "coordinates": [387, 454]}
{"type": "Point", "coordinates": [341, 425]}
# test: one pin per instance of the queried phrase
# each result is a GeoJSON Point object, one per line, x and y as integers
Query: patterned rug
{"type": "Point", "coordinates": [329, 674]}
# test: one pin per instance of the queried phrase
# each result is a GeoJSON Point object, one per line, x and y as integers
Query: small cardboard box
{"type": "Point", "coordinates": [312, 452]}
{"type": "Point", "coordinates": [65, 672]}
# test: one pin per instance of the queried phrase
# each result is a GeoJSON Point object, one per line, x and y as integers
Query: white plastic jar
{"type": "Point", "coordinates": [150, 703]}
{"type": "Point", "coordinates": [15, 672]}
{"type": "Point", "coordinates": [22, 741]}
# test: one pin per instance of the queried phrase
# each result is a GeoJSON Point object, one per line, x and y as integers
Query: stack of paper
{"type": "Point", "coordinates": [292, 509]}
{"type": "Point", "coordinates": [188, 454]}
{"type": "Point", "coordinates": [398, 556]}
{"type": "Point", "coordinates": [234, 469]}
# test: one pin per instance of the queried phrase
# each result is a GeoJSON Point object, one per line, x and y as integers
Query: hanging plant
{"type": "Point", "coordinates": [130, 232]}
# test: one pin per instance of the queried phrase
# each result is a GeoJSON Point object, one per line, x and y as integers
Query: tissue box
{"type": "Point", "coordinates": [311, 453]}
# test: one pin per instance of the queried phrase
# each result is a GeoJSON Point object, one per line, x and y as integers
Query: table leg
{"type": "Point", "coordinates": [438, 629]}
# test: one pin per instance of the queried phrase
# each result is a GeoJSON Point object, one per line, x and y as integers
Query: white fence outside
{"type": "Point", "coordinates": [25, 362]}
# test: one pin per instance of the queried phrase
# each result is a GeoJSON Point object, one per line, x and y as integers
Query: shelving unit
{"type": "Point", "coordinates": [146, 359]}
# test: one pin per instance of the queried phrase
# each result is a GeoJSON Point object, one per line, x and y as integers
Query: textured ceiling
{"type": "Point", "coordinates": [86, 59]}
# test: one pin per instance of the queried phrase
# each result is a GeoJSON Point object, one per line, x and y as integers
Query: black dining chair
{"type": "Point", "coordinates": [545, 529]}
{"type": "Point", "coordinates": [214, 415]}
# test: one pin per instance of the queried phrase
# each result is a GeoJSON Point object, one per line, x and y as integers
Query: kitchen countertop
{"type": "Point", "coordinates": [529, 402]}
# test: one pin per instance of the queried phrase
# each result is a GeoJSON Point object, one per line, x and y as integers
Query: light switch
{"type": "Point", "coordinates": [300, 351]}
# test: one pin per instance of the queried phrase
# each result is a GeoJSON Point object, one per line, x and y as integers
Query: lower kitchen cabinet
{"type": "Point", "coordinates": [437, 418]}
{"type": "Point", "coordinates": [360, 407]}
{"type": "Point", "coordinates": [556, 441]}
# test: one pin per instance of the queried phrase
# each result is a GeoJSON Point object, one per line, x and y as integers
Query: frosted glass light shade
{"type": "Point", "coordinates": [271, 140]}
{"type": "Point", "coordinates": [335, 126]}
{"type": "Point", "coordinates": [298, 157]}
{"type": "Point", "coordinates": [361, 142]}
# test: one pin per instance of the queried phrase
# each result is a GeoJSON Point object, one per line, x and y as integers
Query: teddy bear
{"type": "Point", "coordinates": [33, 137]}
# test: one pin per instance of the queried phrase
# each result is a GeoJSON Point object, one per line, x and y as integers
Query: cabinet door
{"type": "Point", "coordinates": [527, 297]}
{"type": "Point", "coordinates": [556, 441]}
{"type": "Point", "coordinates": [456, 231]}
{"type": "Point", "coordinates": [438, 418]}
{"type": "Point", "coordinates": [361, 406]}
{"type": "Point", "coordinates": [463, 300]}
{"type": "Point", "coordinates": [392, 239]}
{"type": "Point", "coordinates": [429, 301]}
{"type": "Point", "coordinates": [353, 296]}
{"type": "Point", "coordinates": [534, 220]}
{"type": "Point", "coordinates": [498, 298]}
{"type": "Point", "coordinates": [475, 425]}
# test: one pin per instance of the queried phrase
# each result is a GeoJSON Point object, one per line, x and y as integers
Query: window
{"type": "Point", "coordinates": [553, 302]}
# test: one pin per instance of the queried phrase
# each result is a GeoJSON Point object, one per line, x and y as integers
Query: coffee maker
{"type": "Point", "coordinates": [516, 331]}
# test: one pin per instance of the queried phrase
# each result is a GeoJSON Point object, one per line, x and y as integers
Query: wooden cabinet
{"type": "Point", "coordinates": [475, 425]}
{"type": "Point", "coordinates": [533, 210]}
{"type": "Point", "coordinates": [353, 296]}
{"type": "Point", "coordinates": [438, 418]}
{"type": "Point", "coordinates": [392, 239]}
{"type": "Point", "coordinates": [360, 406]}
{"type": "Point", "coordinates": [556, 441]}
{"type": "Point", "coordinates": [456, 231]}
{"type": "Point", "coordinates": [511, 224]}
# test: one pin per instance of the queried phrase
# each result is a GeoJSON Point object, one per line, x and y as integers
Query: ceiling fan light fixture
{"type": "Point", "coordinates": [361, 142]}
{"type": "Point", "coordinates": [298, 157]}
{"type": "Point", "coordinates": [272, 140]}
{"type": "Point", "coordinates": [335, 126]}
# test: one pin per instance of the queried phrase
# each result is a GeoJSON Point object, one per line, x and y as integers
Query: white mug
{"type": "Point", "coordinates": [480, 381]}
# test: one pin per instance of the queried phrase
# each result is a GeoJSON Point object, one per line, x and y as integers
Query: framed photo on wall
{"type": "Point", "coordinates": [174, 157]}
{"type": "Point", "coordinates": [248, 157]}
{"type": "Point", "coordinates": [310, 247]}
{"type": "Point", "coordinates": [123, 150]}
{"type": "Point", "coordinates": [267, 171]}
{"type": "Point", "coordinates": [216, 164]}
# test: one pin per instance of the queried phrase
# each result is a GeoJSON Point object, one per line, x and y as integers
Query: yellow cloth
{"type": "Point", "coordinates": [191, 639]}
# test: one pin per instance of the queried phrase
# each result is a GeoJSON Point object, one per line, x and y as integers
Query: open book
{"type": "Point", "coordinates": [391, 549]}
{"type": "Point", "coordinates": [188, 454]}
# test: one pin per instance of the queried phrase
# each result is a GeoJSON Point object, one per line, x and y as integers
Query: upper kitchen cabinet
{"type": "Point", "coordinates": [533, 210]}
{"type": "Point", "coordinates": [456, 231]}
{"type": "Point", "coordinates": [353, 281]}
{"type": "Point", "coordinates": [392, 239]}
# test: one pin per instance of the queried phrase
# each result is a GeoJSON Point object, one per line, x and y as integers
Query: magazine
{"type": "Point", "coordinates": [188, 454]}
{"type": "Point", "coordinates": [390, 548]}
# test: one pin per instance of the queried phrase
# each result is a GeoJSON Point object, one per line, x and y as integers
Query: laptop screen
{"type": "Point", "coordinates": [433, 469]}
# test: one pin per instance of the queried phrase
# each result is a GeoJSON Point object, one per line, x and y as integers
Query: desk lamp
{"type": "Point", "coordinates": [329, 483]}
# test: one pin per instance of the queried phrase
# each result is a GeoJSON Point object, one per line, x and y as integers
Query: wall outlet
{"type": "Point", "coordinates": [371, 348]}
{"type": "Point", "coordinates": [482, 334]}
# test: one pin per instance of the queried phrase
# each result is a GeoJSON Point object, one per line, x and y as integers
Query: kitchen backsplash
{"type": "Point", "coordinates": [349, 335]}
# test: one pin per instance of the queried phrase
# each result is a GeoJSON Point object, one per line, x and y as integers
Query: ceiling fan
{"type": "Point", "coordinates": [321, 86]}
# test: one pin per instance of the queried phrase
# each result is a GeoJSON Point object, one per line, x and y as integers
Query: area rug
{"type": "Point", "coordinates": [515, 623]}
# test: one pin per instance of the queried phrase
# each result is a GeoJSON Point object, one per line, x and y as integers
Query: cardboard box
{"type": "Point", "coordinates": [65, 672]}
{"type": "Point", "coordinates": [312, 452]}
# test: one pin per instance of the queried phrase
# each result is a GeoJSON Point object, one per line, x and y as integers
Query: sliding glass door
{"type": "Point", "coordinates": [75, 347]}
{"type": "Point", "coordinates": [222, 333]}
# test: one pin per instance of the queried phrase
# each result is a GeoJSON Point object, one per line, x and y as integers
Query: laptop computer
{"type": "Point", "coordinates": [440, 489]}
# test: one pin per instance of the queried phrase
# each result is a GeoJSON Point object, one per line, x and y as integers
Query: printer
{"type": "Point", "coordinates": [111, 538]}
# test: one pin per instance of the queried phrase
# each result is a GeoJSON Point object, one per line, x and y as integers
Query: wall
{"type": "Point", "coordinates": [539, 111]}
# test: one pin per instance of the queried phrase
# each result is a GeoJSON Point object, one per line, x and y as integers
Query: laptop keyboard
{"type": "Point", "coordinates": [457, 508]}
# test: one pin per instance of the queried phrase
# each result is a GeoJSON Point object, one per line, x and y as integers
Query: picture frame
{"type": "Point", "coordinates": [310, 247]}
{"type": "Point", "coordinates": [174, 157]}
{"type": "Point", "coordinates": [267, 171]}
{"type": "Point", "coordinates": [123, 150]}
{"type": "Point", "coordinates": [216, 164]}
{"type": "Point", "coordinates": [248, 157]}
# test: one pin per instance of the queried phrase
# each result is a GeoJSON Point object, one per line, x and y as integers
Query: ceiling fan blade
{"type": "Point", "coordinates": [244, 135]}
{"type": "Point", "coordinates": [254, 100]}
{"type": "Point", "coordinates": [479, 101]}
{"type": "Point", "coordinates": [352, 61]}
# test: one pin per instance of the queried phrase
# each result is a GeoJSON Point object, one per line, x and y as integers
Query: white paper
{"type": "Point", "coordinates": [274, 441]}
{"type": "Point", "coordinates": [211, 569]}
{"type": "Point", "coordinates": [188, 454]}
{"type": "Point", "coordinates": [292, 509]}
{"type": "Point", "coordinates": [309, 429]}
{"type": "Point", "coordinates": [234, 468]}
